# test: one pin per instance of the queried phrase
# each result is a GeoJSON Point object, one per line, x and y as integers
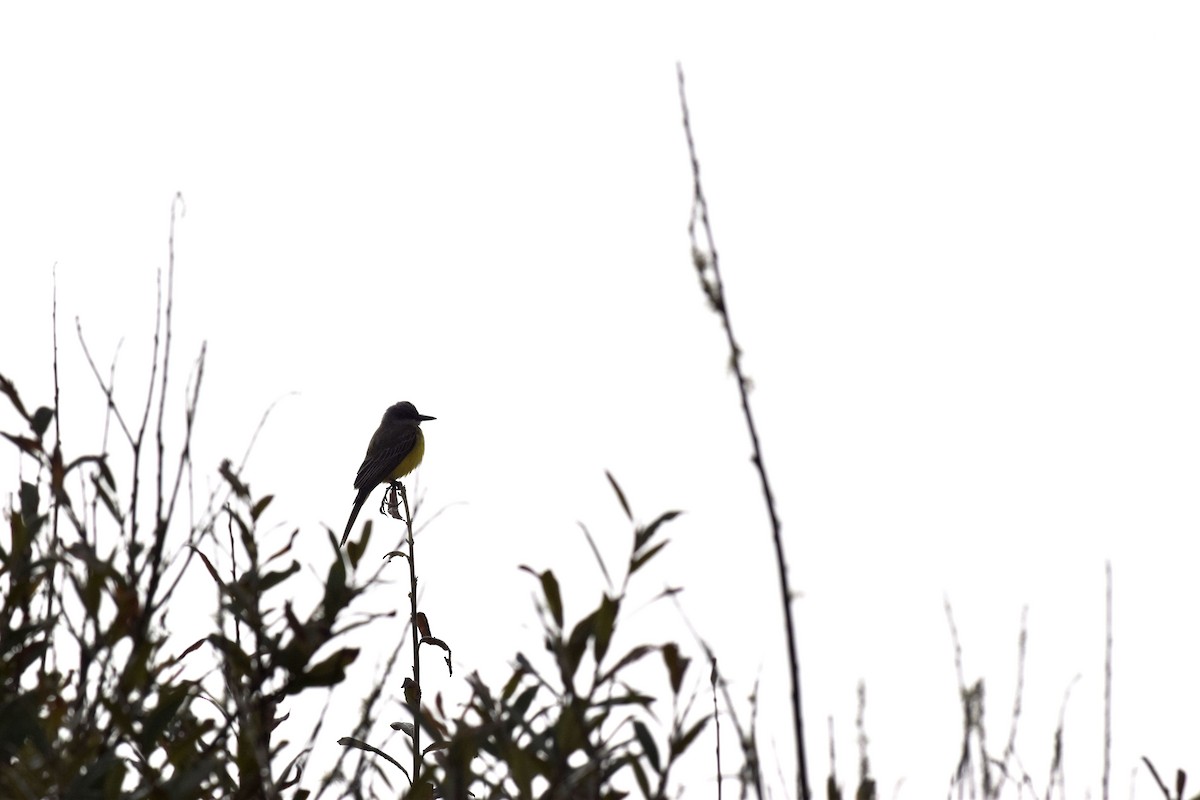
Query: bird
{"type": "Point", "coordinates": [396, 449]}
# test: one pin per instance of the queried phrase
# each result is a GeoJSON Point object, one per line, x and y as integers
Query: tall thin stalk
{"type": "Point", "coordinates": [707, 264]}
{"type": "Point", "coordinates": [412, 687]}
{"type": "Point", "coordinates": [415, 635]}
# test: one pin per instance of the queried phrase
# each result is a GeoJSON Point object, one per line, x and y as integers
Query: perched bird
{"type": "Point", "coordinates": [395, 450]}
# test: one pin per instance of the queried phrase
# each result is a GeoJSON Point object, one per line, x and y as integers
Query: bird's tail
{"type": "Point", "coordinates": [363, 494]}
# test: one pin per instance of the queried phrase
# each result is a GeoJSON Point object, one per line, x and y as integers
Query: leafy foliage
{"type": "Point", "coordinates": [97, 698]}
{"type": "Point", "coordinates": [575, 728]}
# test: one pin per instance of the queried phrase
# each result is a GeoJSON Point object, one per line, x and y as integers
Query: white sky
{"type": "Point", "coordinates": [959, 246]}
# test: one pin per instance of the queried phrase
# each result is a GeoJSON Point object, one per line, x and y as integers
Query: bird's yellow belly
{"type": "Point", "coordinates": [410, 461]}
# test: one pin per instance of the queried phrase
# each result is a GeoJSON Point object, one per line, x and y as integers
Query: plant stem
{"type": "Point", "coordinates": [706, 260]}
{"type": "Point", "coordinates": [416, 640]}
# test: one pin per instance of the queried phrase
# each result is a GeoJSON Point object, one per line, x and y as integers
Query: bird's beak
{"type": "Point", "coordinates": [424, 417]}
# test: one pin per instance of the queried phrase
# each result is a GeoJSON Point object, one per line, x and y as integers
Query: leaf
{"type": "Point", "coordinates": [235, 483]}
{"type": "Point", "coordinates": [355, 549]}
{"type": "Point", "coordinates": [630, 698]}
{"type": "Point", "coordinates": [620, 494]}
{"type": "Point", "coordinates": [156, 722]}
{"type": "Point", "coordinates": [676, 665]}
{"type": "Point", "coordinates": [640, 774]}
{"type": "Point", "coordinates": [678, 746]}
{"type": "Point", "coordinates": [627, 659]}
{"type": "Point", "coordinates": [29, 507]}
{"type": "Point", "coordinates": [644, 535]}
{"type": "Point", "coordinates": [350, 741]}
{"type": "Point", "coordinates": [41, 420]}
{"type": "Point", "coordinates": [337, 596]}
{"type": "Point", "coordinates": [647, 742]}
{"type": "Point", "coordinates": [329, 672]}
{"type": "Point", "coordinates": [606, 620]}
{"type": "Point", "coordinates": [436, 642]}
{"type": "Point", "coordinates": [550, 592]}
{"type": "Point", "coordinates": [513, 682]}
{"type": "Point", "coordinates": [576, 644]}
{"type": "Point", "coordinates": [596, 552]}
{"type": "Point", "coordinates": [107, 499]}
{"type": "Point", "coordinates": [642, 558]}
{"type": "Point", "coordinates": [211, 569]}
{"type": "Point", "coordinates": [7, 387]}
{"type": "Point", "coordinates": [261, 506]}
{"type": "Point", "coordinates": [90, 593]}
{"type": "Point", "coordinates": [286, 548]}
{"type": "Point", "coordinates": [273, 579]}
{"type": "Point", "coordinates": [522, 703]}
{"type": "Point", "coordinates": [195, 645]}
{"type": "Point", "coordinates": [31, 447]}
{"type": "Point", "coordinates": [236, 660]}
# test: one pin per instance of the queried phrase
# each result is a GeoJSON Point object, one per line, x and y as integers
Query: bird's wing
{"type": "Point", "coordinates": [387, 449]}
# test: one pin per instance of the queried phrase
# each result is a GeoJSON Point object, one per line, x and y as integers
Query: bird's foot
{"type": "Point", "coordinates": [392, 500]}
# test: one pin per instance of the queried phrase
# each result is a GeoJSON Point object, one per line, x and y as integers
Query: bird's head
{"type": "Point", "coordinates": [405, 412]}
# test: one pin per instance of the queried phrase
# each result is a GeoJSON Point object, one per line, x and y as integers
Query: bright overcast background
{"type": "Point", "coordinates": [960, 249]}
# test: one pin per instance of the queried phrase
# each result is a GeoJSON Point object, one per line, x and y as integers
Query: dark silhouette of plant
{"type": "Point", "coordinates": [96, 698]}
{"type": "Point", "coordinates": [580, 726]}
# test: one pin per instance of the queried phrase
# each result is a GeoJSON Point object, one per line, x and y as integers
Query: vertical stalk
{"type": "Point", "coordinates": [415, 701]}
{"type": "Point", "coordinates": [707, 265]}
{"type": "Point", "coordinates": [1108, 652]}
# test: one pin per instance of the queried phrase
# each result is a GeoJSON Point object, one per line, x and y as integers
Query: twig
{"type": "Point", "coordinates": [55, 462]}
{"type": "Point", "coordinates": [416, 638]}
{"type": "Point", "coordinates": [712, 680]}
{"type": "Point", "coordinates": [707, 266]}
{"type": "Point", "coordinates": [1108, 651]}
{"type": "Point", "coordinates": [1010, 749]}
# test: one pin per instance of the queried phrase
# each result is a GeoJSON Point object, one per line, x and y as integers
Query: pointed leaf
{"type": "Point", "coordinates": [678, 746]}
{"type": "Point", "coordinates": [261, 506]}
{"type": "Point", "coordinates": [633, 655]}
{"type": "Point", "coordinates": [169, 703]}
{"type": "Point", "coordinates": [329, 672]}
{"type": "Point", "coordinates": [337, 595]}
{"type": "Point", "coordinates": [235, 483]}
{"type": "Point", "coordinates": [596, 553]}
{"type": "Point", "coordinates": [28, 446]}
{"type": "Point", "coordinates": [273, 579]}
{"type": "Point", "coordinates": [640, 775]}
{"type": "Point", "coordinates": [575, 646]}
{"type": "Point", "coordinates": [640, 560]}
{"type": "Point", "coordinates": [644, 535]}
{"type": "Point", "coordinates": [522, 703]}
{"type": "Point", "coordinates": [648, 746]}
{"type": "Point", "coordinates": [676, 665]}
{"type": "Point", "coordinates": [620, 494]}
{"type": "Point", "coordinates": [209, 565]}
{"type": "Point", "coordinates": [511, 685]}
{"type": "Point", "coordinates": [550, 592]}
{"type": "Point", "coordinates": [606, 620]}
{"type": "Point", "coordinates": [350, 741]}
{"type": "Point", "coordinates": [41, 420]}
